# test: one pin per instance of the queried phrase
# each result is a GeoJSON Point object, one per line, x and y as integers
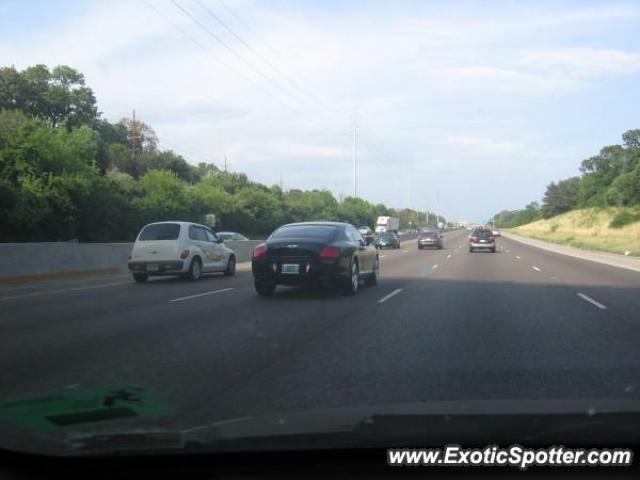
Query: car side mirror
{"type": "Point", "coordinates": [220, 240]}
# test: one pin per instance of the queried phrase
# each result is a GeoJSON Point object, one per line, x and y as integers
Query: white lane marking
{"type": "Point", "coordinates": [536, 268]}
{"type": "Point", "coordinates": [382, 256]}
{"type": "Point", "coordinates": [61, 290]}
{"type": "Point", "coordinates": [91, 287]}
{"type": "Point", "coordinates": [592, 301]}
{"type": "Point", "coordinates": [517, 257]}
{"type": "Point", "coordinates": [449, 256]}
{"type": "Point", "coordinates": [508, 251]}
{"type": "Point", "coordinates": [197, 295]}
{"type": "Point", "coordinates": [387, 297]}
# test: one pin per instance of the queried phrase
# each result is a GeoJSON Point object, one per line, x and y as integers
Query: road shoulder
{"type": "Point", "coordinates": [611, 259]}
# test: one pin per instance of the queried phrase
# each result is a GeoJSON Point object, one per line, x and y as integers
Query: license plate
{"type": "Point", "coordinates": [152, 267]}
{"type": "Point", "coordinates": [290, 268]}
{"type": "Point", "coordinates": [483, 241]}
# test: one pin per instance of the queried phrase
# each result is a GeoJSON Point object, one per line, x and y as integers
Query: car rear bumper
{"type": "Point", "coordinates": [428, 243]}
{"type": "Point", "coordinates": [166, 267]}
{"type": "Point", "coordinates": [482, 245]}
{"type": "Point", "coordinates": [309, 272]}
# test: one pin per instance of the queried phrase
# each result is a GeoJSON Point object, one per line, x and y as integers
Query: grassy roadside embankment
{"type": "Point", "coordinates": [611, 229]}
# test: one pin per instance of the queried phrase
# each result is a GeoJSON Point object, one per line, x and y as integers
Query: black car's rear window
{"type": "Point", "coordinates": [483, 233]}
{"type": "Point", "coordinates": [319, 232]}
{"type": "Point", "coordinates": [161, 231]}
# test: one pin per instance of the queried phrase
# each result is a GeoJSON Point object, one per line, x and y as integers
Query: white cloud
{"type": "Point", "coordinates": [582, 62]}
{"type": "Point", "coordinates": [409, 75]}
{"type": "Point", "coordinates": [484, 146]}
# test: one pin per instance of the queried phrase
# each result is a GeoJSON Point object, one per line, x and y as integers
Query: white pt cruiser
{"type": "Point", "coordinates": [179, 248]}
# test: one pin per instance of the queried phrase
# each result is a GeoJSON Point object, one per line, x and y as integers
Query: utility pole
{"type": "Point", "coordinates": [355, 135]}
{"type": "Point", "coordinates": [225, 163]}
{"type": "Point", "coordinates": [408, 189]}
{"type": "Point", "coordinates": [281, 185]}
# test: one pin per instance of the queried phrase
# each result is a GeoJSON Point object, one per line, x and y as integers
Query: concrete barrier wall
{"type": "Point", "coordinates": [58, 258]}
{"type": "Point", "coordinates": [33, 259]}
{"type": "Point", "coordinates": [53, 258]}
{"type": "Point", "coordinates": [243, 249]}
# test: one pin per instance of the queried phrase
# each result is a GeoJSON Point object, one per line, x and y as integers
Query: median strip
{"type": "Point", "coordinates": [392, 294]}
{"type": "Point", "coordinates": [586, 298]}
{"type": "Point", "coordinates": [197, 295]}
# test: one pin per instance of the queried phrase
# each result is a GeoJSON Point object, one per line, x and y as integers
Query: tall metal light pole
{"type": "Point", "coordinates": [355, 145]}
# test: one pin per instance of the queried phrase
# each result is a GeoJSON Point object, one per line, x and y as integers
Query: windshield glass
{"type": "Point", "coordinates": [483, 233]}
{"type": "Point", "coordinates": [423, 206]}
{"type": "Point", "coordinates": [319, 232]}
{"type": "Point", "coordinates": [162, 231]}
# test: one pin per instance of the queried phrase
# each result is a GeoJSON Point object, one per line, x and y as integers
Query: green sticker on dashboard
{"type": "Point", "coordinates": [78, 407]}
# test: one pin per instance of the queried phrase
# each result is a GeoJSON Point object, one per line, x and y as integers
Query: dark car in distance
{"type": "Point", "coordinates": [430, 238]}
{"type": "Point", "coordinates": [482, 238]}
{"type": "Point", "coordinates": [388, 240]}
{"type": "Point", "coordinates": [328, 253]}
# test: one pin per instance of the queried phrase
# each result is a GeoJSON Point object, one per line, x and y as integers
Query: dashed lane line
{"type": "Point", "coordinates": [392, 294]}
{"type": "Point", "coordinates": [198, 295]}
{"type": "Point", "coordinates": [586, 298]}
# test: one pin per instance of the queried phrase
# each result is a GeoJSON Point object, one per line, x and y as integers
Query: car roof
{"type": "Point", "coordinates": [179, 222]}
{"type": "Point", "coordinates": [326, 224]}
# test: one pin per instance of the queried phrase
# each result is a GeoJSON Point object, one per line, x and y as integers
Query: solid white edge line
{"type": "Point", "coordinates": [201, 294]}
{"type": "Point", "coordinates": [592, 301]}
{"type": "Point", "coordinates": [60, 290]}
{"type": "Point", "coordinates": [387, 297]}
{"type": "Point", "coordinates": [536, 268]}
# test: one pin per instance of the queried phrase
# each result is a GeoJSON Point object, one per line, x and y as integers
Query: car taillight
{"type": "Point", "coordinates": [473, 239]}
{"type": "Point", "coordinates": [329, 253]}
{"type": "Point", "coordinates": [491, 239]}
{"type": "Point", "coordinates": [184, 254]}
{"type": "Point", "coordinates": [260, 251]}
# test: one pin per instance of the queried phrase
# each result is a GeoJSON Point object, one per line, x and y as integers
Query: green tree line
{"type": "Point", "coordinates": [610, 178]}
{"type": "Point", "coordinates": [67, 173]}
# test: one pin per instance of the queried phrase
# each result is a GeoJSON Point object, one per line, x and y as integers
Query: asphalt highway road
{"type": "Point", "coordinates": [522, 323]}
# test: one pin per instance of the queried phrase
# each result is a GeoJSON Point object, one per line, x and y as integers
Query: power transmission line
{"type": "Point", "coordinates": [385, 161]}
{"type": "Point", "coordinates": [232, 51]}
{"type": "Point", "coordinates": [312, 96]}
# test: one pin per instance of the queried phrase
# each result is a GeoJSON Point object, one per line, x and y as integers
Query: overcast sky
{"type": "Point", "coordinates": [463, 107]}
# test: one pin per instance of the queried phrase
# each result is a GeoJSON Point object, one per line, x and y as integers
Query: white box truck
{"type": "Point", "coordinates": [387, 224]}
